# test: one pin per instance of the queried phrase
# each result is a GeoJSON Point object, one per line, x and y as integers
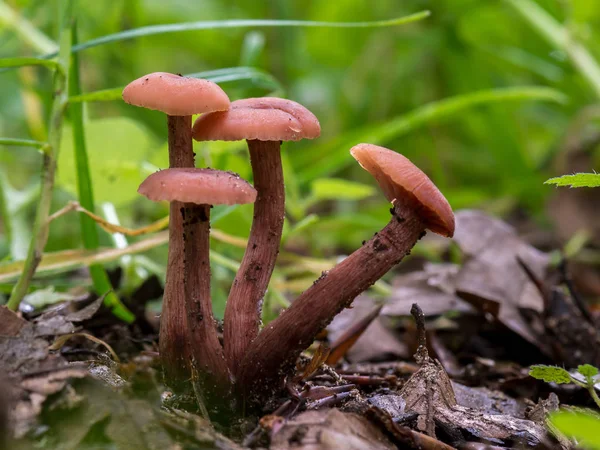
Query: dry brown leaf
{"type": "Point", "coordinates": [348, 338]}
{"type": "Point", "coordinates": [10, 322]}
{"type": "Point", "coordinates": [491, 278]}
{"type": "Point", "coordinates": [433, 288]}
{"type": "Point", "coordinates": [330, 430]}
{"type": "Point", "coordinates": [376, 343]}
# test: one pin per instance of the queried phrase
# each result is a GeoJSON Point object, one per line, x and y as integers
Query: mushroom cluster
{"type": "Point", "coordinates": [253, 363]}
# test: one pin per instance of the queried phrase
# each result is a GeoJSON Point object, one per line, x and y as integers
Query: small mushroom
{"type": "Point", "coordinates": [417, 205]}
{"type": "Point", "coordinates": [264, 123]}
{"type": "Point", "coordinates": [178, 97]}
{"type": "Point", "coordinates": [194, 190]}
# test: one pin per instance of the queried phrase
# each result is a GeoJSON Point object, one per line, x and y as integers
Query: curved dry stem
{"type": "Point", "coordinates": [273, 353]}
{"type": "Point", "coordinates": [242, 313]}
{"type": "Point", "coordinates": [173, 340]}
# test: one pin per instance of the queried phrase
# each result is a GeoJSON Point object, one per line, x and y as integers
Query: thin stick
{"type": "Point", "coordinates": [421, 355]}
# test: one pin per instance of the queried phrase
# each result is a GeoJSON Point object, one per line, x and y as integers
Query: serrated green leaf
{"type": "Point", "coordinates": [550, 374]}
{"type": "Point", "coordinates": [583, 427]}
{"type": "Point", "coordinates": [117, 148]}
{"type": "Point", "coordinates": [576, 180]}
{"type": "Point", "coordinates": [587, 370]}
{"type": "Point", "coordinates": [338, 189]}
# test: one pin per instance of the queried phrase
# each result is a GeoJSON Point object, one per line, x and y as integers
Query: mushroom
{"type": "Point", "coordinates": [417, 205]}
{"type": "Point", "coordinates": [179, 97]}
{"type": "Point", "coordinates": [264, 123]}
{"type": "Point", "coordinates": [194, 190]}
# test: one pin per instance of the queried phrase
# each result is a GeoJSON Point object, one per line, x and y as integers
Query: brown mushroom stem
{"type": "Point", "coordinates": [243, 309]}
{"type": "Point", "coordinates": [181, 151]}
{"type": "Point", "coordinates": [273, 353]}
{"type": "Point", "coordinates": [174, 346]}
{"type": "Point", "coordinates": [207, 352]}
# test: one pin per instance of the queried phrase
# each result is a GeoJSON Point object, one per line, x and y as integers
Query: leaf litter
{"type": "Point", "coordinates": [359, 389]}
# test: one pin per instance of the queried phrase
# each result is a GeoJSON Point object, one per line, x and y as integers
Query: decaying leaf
{"type": "Point", "coordinates": [404, 437]}
{"type": "Point", "coordinates": [28, 394]}
{"type": "Point", "coordinates": [433, 288]}
{"type": "Point", "coordinates": [539, 413]}
{"type": "Point", "coordinates": [349, 337]}
{"type": "Point", "coordinates": [32, 370]}
{"type": "Point", "coordinates": [128, 423]}
{"type": "Point", "coordinates": [330, 430]}
{"type": "Point", "coordinates": [5, 405]}
{"type": "Point", "coordinates": [10, 323]}
{"type": "Point", "coordinates": [195, 430]}
{"type": "Point", "coordinates": [491, 278]}
{"type": "Point", "coordinates": [376, 343]}
{"type": "Point", "coordinates": [430, 394]}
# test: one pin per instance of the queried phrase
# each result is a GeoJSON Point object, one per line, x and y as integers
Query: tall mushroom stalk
{"type": "Point", "coordinates": [179, 97]}
{"type": "Point", "coordinates": [417, 205]}
{"type": "Point", "coordinates": [264, 123]}
{"type": "Point", "coordinates": [196, 190]}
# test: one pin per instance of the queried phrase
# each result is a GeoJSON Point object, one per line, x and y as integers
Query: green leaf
{"type": "Point", "coordinates": [116, 148]}
{"type": "Point", "coordinates": [256, 77]}
{"type": "Point", "coordinates": [581, 426]}
{"type": "Point", "coordinates": [550, 374]}
{"type": "Point", "coordinates": [335, 152]}
{"type": "Point", "coordinates": [338, 189]}
{"type": "Point", "coordinates": [587, 370]}
{"type": "Point", "coordinates": [243, 23]}
{"type": "Point", "coordinates": [85, 193]}
{"type": "Point", "coordinates": [6, 63]}
{"type": "Point", "coordinates": [576, 180]}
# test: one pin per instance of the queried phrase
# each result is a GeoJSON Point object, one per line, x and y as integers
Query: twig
{"type": "Point", "coordinates": [421, 356]}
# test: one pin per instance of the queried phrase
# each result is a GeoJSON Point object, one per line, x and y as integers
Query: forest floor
{"type": "Point", "coordinates": [455, 374]}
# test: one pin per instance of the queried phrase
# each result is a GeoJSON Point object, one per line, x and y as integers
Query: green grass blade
{"type": "Point", "coordinates": [6, 63]}
{"type": "Point", "coordinates": [41, 224]}
{"type": "Point", "coordinates": [26, 31]}
{"type": "Point", "coordinates": [43, 146]}
{"type": "Point", "coordinates": [253, 46]}
{"type": "Point", "coordinates": [576, 180]}
{"type": "Point", "coordinates": [256, 77]}
{"type": "Point", "coordinates": [241, 23]}
{"type": "Point", "coordinates": [89, 231]}
{"type": "Point", "coordinates": [558, 35]}
{"type": "Point", "coordinates": [334, 154]}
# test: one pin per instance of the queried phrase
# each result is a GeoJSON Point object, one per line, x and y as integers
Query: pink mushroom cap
{"type": "Point", "coordinates": [175, 95]}
{"type": "Point", "coordinates": [200, 186]}
{"type": "Point", "coordinates": [263, 119]}
{"type": "Point", "coordinates": [402, 181]}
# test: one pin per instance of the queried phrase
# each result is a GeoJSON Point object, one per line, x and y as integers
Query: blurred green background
{"type": "Point", "coordinates": [434, 90]}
